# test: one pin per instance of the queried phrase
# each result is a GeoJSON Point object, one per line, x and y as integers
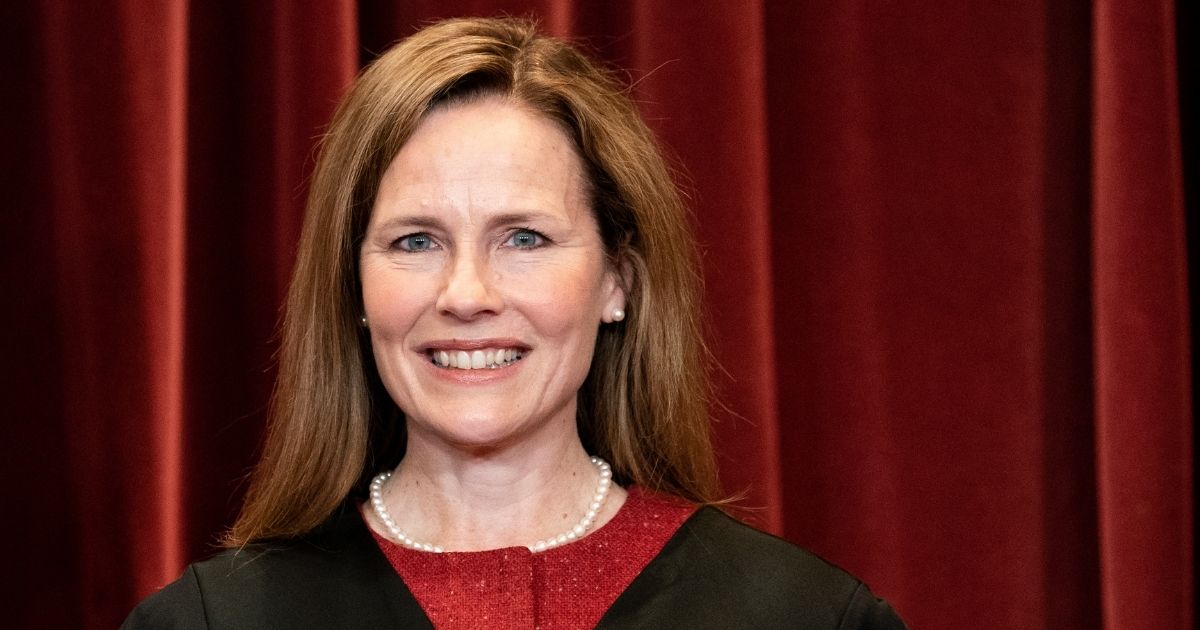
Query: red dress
{"type": "Point", "coordinates": [570, 586]}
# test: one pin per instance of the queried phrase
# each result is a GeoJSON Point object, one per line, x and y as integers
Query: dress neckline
{"type": "Point", "coordinates": [569, 586]}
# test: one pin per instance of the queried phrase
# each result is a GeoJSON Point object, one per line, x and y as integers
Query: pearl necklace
{"type": "Point", "coordinates": [584, 524]}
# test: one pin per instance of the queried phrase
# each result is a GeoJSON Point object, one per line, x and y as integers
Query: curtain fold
{"type": "Point", "coordinates": [1143, 404]}
{"type": "Point", "coordinates": [943, 244]}
{"type": "Point", "coordinates": [115, 135]}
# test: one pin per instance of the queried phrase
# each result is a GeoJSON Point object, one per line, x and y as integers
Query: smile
{"type": "Point", "coordinates": [481, 359]}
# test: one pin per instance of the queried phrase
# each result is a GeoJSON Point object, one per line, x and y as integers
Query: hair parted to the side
{"type": "Point", "coordinates": [643, 406]}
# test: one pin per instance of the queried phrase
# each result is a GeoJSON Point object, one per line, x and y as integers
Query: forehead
{"type": "Point", "coordinates": [485, 153]}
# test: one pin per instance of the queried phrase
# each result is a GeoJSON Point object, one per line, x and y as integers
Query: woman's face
{"type": "Point", "coordinates": [484, 278]}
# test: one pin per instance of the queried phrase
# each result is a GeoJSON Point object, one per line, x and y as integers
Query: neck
{"type": "Point", "coordinates": [488, 498]}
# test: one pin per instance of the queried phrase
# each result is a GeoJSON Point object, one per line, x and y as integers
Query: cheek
{"type": "Point", "coordinates": [560, 302]}
{"type": "Point", "coordinates": [390, 305]}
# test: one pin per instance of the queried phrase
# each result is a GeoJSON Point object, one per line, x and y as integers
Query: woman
{"type": "Point", "coordinates": [495, 280]}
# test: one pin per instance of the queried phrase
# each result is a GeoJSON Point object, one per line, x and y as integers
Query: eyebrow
{"type": "Point", "coordinates": [434, 223]}
{"type": "Point", "coordinates": [417, 221]}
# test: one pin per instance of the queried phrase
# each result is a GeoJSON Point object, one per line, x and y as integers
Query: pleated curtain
{"type": "Point", "coordinates": [944, 248]}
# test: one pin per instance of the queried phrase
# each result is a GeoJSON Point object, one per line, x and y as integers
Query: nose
{"type": "Point", "coordinates": [469, 290]}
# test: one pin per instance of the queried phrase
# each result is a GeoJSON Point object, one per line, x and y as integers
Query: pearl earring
{"type": "Point", "coordinates": [618, 314]}
{"type": "Point", "coordinates": [362, 321]}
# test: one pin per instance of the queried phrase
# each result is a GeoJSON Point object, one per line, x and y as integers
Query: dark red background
{"type": "Point", "coordinates": [944, 245]}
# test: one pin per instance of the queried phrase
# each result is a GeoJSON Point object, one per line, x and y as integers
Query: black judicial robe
{"type": "Point", "coordinates": [713, 573]}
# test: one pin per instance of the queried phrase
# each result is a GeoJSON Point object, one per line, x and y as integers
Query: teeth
{"type": "Point", "coordinates": [490, 358]}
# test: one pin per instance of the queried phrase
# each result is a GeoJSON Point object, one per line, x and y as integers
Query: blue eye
{"type": "Point", "coordinates": [526, 239]}
{"type": "Point", "coordinates": [415, 243]}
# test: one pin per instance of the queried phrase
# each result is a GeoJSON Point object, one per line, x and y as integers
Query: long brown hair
{"type": "Point", "coordinates": [643, 405]}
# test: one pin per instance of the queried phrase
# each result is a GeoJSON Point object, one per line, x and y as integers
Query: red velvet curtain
{"type": "Point", "coordinates": [944, 246]}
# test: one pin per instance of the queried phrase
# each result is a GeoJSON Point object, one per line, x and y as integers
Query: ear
{"type": "Point", "coordinates": [616, 279]}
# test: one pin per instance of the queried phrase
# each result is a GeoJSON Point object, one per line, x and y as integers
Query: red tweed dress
{"type": "Point", "coordinates": [565, 587]}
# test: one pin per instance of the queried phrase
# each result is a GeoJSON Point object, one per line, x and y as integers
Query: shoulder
{"type": "Point", "coordinates": [713, 536]}
{"type": "Point", "coordinates": [177, 605]}
{"type": "Point", "coordinates": [333, 577]}
{"type": "Point", "coordinates": [717, 571]}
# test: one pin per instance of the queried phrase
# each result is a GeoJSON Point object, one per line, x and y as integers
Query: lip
{"type": "Point", "coordinates": [472, 344]}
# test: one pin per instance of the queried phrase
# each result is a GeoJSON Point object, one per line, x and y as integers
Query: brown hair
{"type": "Point", "coordinates": [643, 405]}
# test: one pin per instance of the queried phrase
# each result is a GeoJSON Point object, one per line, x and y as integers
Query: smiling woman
{"type": "Point", "coordinates": [491, 408]}
{"type": "Point", "coordinates": [481, 243]}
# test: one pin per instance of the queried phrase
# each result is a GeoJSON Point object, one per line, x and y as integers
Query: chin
{"type": "Point", "coordinates": [477, 431]}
